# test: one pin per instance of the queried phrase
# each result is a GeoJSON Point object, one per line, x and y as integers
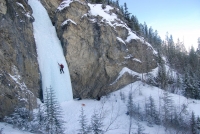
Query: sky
{"type": "Point", "coordinates": [180, 18]}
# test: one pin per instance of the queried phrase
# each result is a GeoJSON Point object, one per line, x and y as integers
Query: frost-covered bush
{"type": "Point", "coordinates": [20, 118]}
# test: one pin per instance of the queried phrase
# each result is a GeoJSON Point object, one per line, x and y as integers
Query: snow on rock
{"type": "Point", "coordinates": [120, 39]}
{"type": "Point", "coordinates": [16, 78]}
{"type": "Point", "coordinates": [109, 18]}
{"type": "Point", "coordinates": [112, 19]}
{"type": "Point", "coordinates": [135, 59]}
{"type": "Point", "coordinates": [50, 53]}
{"type": "Point", "coordinates": [28, 15]}
{"type": "Point", "coordinates": [131, 72]}
{"type": "Point", "coordinates": [66, 22]}
{"type": "Point", "coordinates": [131, 36]}
{"type": "Point", "coordinates": [20, 5]}
{"type": "Point", "coordinates": [96, 9]}
{"type": "Point", "coordinates": [126, 70]}
{"type": "Point", "coordinates": [64, 4]}
{"type": "Point", "coordinates": [128, 56]}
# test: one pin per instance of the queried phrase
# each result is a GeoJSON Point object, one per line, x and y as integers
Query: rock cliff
{"type": "Point", "coordinates": [103, 54]}
{"type": "Point", "coordinates": [19, 74]}
{"type": "Point", "coordinates": [97, 49]}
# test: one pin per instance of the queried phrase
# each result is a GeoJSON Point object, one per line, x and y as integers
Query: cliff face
{"type": "Point", "coordinates": [19, 74]}
{"type": "Point", "coordinates": [97, 50]}
{"type": "Point", "coordinates": [101, 54]}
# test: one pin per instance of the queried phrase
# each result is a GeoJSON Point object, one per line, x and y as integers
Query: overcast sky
{"type": "Point", "coordinates": [180, 18]}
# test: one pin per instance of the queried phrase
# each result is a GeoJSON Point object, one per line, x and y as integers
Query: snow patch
{"type": "Point", "coordinates": [135, 59]}
{"type": "Point", "coordinates": [96, 10]}
{"type": "Point", "coordinates": [20, 5]}
{"type": "Point", "coordinates": [131, 36]}
{"type": "Point", "coordinates": [120, 39]}
{"type": "Point", "coordinates": [64, 4]}
{"type": "Point", "coordinates": [16, 78]}
{"type": "Point", "coordinates": [28, 15]}
{"type": "Point", "coordinates": [66, 22]}
{"type": "Point", "coordinates": [128, 56]}
{"type": "Point", "coordinates": [126, 70]}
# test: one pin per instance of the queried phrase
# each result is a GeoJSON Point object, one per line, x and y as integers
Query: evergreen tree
{"type": "Point", "coordinates": [141, 32]}
{"type": "Point", "coordinates": [126, 14]}
{"type": "Point", "coordinates": [117, 3]}
{"type": "Point", "coordinates": [39, 122]}
{"type": "Point", "coordinates": [162, 75]}
{"type": "Point", "coordinates": [146, 34]}
{"type": "Point", "coordinates": [151, 112]}
{"type": "Point", "coordinates": [140, 128]}
{"type": "Point", "coordinates": [83, 123]}
{"type": "Point", "coordinates": [198, 124]}
{"type": "Point", "coordinates": [130, 108]}
{"type": "Point", "coordinates": [122, 9]}
{"type": "Point", "coordinates": [193, 124]}
{"type": "Point", "coordinates": [150, 36]}
{"type": "Point", "coordinates": [99, 1]}
{"type": "Point", "coordinates": [167, 109]}
{"type": "Point", "coordinates": [135, 24]}
{"type": "Point", "coordinates": [193, 59]}
{"type": "Point", "coordinates": [53, 121]}
{"type": "Point", "coordinates": [96, 123]}
{"type": "Point", "coordinates": [171, 48]}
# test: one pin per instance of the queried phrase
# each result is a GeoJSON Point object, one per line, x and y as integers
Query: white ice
{"type": "Point", "coordinates": [50, 53]}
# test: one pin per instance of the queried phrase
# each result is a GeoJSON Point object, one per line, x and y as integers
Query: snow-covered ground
{"type": "Point", "coordinates": [50, 53]}
{"type": "Point", "coordinates": [112, 106]}
{"type": "Point", "coordinates": [8, 129]}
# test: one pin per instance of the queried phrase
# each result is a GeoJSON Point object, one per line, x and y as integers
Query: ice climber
{"type": "Point", "coordinates": [61, 68]}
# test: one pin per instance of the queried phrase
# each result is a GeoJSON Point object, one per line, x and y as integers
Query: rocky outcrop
{"type": "Point", "coordinates": [19, 74]}
{"type": "Point", "coordinates": [96, 51]}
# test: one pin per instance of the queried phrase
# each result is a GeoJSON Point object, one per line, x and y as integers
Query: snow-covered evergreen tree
{"type": "Point", "coordinates": [85, 129]}
{"type": "Point", "coordinates": [152, 116]}
{"type": "Point", "coordinates": [140, 128]}
{"type": "Point", "coordinates": [96, 123]}
{"type": "Point", "coordinates": [53, 118]}
{"type": "Point", "coordinates": [40, 121]}
{"type": "Point", "coordinates": [168, 109]}
{"type": "Point", "coordinates": [130, 110]}
{"type": "Point", "coordinates": [162, 75]}
{"type": "Point", "coordinates": [193, 124]}
{"type": "Point", "coordinates": [198, 124]}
